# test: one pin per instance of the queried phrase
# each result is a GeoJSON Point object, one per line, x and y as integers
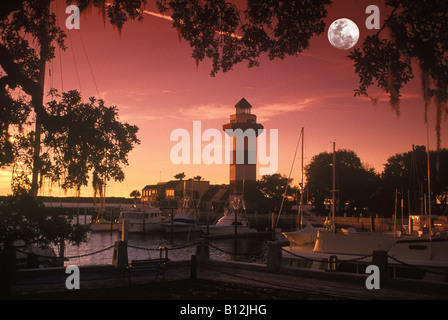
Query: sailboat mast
{"type": "Point", "coordinates": [301, 189]}
{"type": "Point", "coordinates": [429, 180]}
{"type": "Point", "coordinates": [334, 183]}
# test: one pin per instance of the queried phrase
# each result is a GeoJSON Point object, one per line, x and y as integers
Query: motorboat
{"type": "Point", "coordinates": [233, 216]}
{"type": "Point", "coordinates": [226, 224]}
{"type": "Point", "coordinates": [143, 219]}
{"type": "Point", "coordinates": [184, 221]}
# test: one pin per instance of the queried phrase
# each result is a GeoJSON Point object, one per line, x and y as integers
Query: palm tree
{"type": "Point", "coordinates": [135, 194]}
{"type": "Point", "coordinates": [180, 176]}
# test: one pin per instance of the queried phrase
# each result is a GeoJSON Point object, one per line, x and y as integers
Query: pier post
{"type": "Point", "coordinates": [124, 230]}
{"type": "Point", "coordinates": [203, 251]}
{"type": "Point", "coordinates": [332, 263]}
{"type": "Point", "coordinates": [120, 255]}
{"type": "Point", "coordinates": [193, 265]}
{"type": "Point", "coordinates": [274, 257]}
{"type": "Point", "coordinates": [7, 270]}
{"type": "Point", "coordinates": [380, 259]}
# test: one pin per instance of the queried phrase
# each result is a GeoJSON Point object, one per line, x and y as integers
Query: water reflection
{"type": "Point", "coordinates": [181, 247]}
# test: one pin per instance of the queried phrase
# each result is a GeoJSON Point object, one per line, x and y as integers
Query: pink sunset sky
{"type": "Point", "coordinates": [149, 74]}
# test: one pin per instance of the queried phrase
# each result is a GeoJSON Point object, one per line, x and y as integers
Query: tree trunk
{"type": "Point", "coordinates": [38, 103]}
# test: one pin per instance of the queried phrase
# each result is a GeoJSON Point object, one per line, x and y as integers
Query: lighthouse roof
{"type": "Point", "coordinates": [243, 104]}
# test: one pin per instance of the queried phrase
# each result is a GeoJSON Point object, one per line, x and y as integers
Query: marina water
{"type": "Point", "coordinates": [180, 247]}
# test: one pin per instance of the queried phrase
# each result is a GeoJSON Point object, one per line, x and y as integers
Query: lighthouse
{"type": "Point", "coordinates": [244, 130]}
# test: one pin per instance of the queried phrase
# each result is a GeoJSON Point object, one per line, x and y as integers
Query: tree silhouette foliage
{"type": "Point", "coordinates": [414, 33]}
{"type": "Point", "coordinates": [229, 34]}
{"type": "Point", "coordinates": [89, 138]}
{"type": "Point", "coordinates": [180, 176]}
{"type": "Point", "coordinates": [80, 138]}
{"type": "Point", "coordinates": [23, 218]}
{"type": "Point", "coordinates": [356, 184]}
{"type": "Point", "coordinates": [135, 194]}
{"type": "Point", "coordinates": [359, 186]}
{"type": "Point", "coordinates": [408, 174]}
{"type": "Point", "coordinates": [413, 36]}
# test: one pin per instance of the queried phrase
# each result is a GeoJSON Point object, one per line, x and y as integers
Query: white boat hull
{"type": "Point", "coordinates": [226, 225]}
{"type": "Point", "coordinates": [420, 257]}
{"type": "Point", "coordinates": [300, 239]}
{"type": "Point", "coordinates": [143, 219]}
{"type": "Point", "coordinates": [355, 244]}
{"type": "Point", "coordinates": [182, 223]}
{"type": "Point", "coordinates": [306, 236]}
{"type": "Point", "coordinates": [420, 249]}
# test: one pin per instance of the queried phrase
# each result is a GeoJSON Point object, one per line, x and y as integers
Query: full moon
{"type": "Point", "coordinates": [343, 34]}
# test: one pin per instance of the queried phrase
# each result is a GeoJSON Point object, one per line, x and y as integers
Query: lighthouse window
{"type": "Point", "coordinates": [243, 111]}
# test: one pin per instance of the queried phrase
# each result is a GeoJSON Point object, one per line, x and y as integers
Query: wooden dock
{"type": "Point", "coordinates": [42, 282]}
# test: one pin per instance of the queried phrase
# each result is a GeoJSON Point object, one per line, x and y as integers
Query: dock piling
{"type": "Point", "coordinates": [380, 259]}
{"type": "Point", "coordinates": [274, 257]}
{"type": "Point", "coordinates": [332, 263]}
{"type": "Point", "coordinates": [203, 251]}
{"type": "Point", "coordinates": [124, 230]}
{"type": "Point", "coordinates": [7, 266]}
{"type": "Point", "coordinates": [193, 267]}
{"type": "Point", "coordinates": [120, 255]}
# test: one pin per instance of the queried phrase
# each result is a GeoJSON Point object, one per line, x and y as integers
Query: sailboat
{"type": "Point", "coordinates": [426, 254]}
{"type": "Point", "coordinates": [344, 241]}
{"type": "Point", "coordinates": [304, 236]}
{"type": "Point", "coordinates": [102, 224]}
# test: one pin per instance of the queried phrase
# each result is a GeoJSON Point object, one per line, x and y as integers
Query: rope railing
{"type": "Point", "coordinates": [89, 254]}
{"type": "Point", "coordinates": [303, 257]}
{"type": "Point", "coordinates": [102, 250]}
{"type": "Point", "coordinates": [240, 254]}
{"type": "Point", "coordinates": [232, 253]}
{"type": "Point", "coordinates": [416, 267]}
{"type": "Point", "coordinates": [71, 257]}
{"type": "Point", "coordinates": [37, 255]}
{"type": "Point", "coordinates": [220, 250]}
{"type": "Point", "coordinates": [173, 248]}
{"type": "Point", "coordinates": [190, 245]}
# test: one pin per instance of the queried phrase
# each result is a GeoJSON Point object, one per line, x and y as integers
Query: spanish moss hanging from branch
{"type": "Point", "coordinates": [417, 33]}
